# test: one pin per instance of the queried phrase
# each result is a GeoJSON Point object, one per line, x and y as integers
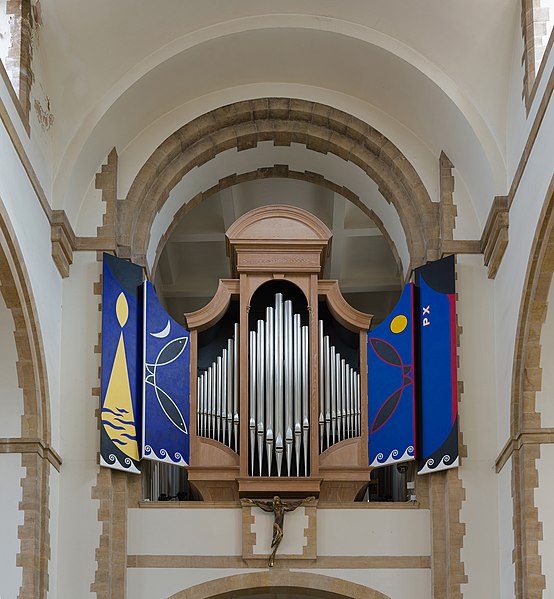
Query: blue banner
{"type": "Point", "coordinates": [437, 376]}
{"type": "Point", "coordinates": [121, 372]}
{"type": "Point", "coordinates": [166, 403]}
{"type": "Point", "coordinates": [390, 390]}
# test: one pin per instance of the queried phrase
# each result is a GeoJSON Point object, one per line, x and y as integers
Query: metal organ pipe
{"type": "Point", "coordinates": [229, 406]}
{"type": "Point", "coordinates": [297, 361]}
{"type": "Point", "coordinates": [278, 337]}
{"type": "Point", "coordinates": [260, 388]}
{"type": "Point", "coordinates": [327, 375]}
{"type": "Point", "coordinates": [236, 353]}
{"type": "Point", "coordinates": [279, 394]}
{"type": "Point", "coordinates": [269, 388]}
{"type": "Point", "coordinates": [252, 397]}
{"type": "Point", "coordinates": [217, 396]}
{"type": "Point", "coordinates": [305, 394]}
{"type": "Point", "coordinates": [321, 386]}
{"type": "Point", "coordinates": [333, 377]}
{"type": "Point", "coordinates": [289, 382]}
{"type": "Point", "coordinates": [224, 394]}
{"type": "Point", "coordinates": [339, 403]}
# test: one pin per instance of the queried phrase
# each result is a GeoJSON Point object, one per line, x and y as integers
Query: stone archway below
{"type": "Point", "coordinates": [274, 584]}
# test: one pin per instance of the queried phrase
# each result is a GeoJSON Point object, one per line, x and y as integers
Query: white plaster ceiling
{"type": "Point", "coordinates": [439, 68]}
{"type": "Point", "coordinates": [431, 75]}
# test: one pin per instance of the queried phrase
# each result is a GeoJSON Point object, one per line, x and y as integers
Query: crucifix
{"type": "Point", "coordinates": [278, 507]}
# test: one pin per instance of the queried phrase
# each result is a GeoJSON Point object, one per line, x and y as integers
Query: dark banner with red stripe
{"type": "Point", "coordinates": [436, 366]}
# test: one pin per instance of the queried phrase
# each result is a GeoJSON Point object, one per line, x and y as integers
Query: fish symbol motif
{"type": "Point", "coordinates": [388, 354]}
{"type": "Point", "coordinates": [169, 353]}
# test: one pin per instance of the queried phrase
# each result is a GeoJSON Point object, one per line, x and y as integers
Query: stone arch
{"type": "Point", "coordinates": [277, 171]}
{"type": "Point", "coordinates": [284, 581]}
{"type": "Point", "coordinates": [284, 121]}
{"type": "Point", "coordinates": [525, 421]}
{"type": "Point", "coordinates": [34, 442]}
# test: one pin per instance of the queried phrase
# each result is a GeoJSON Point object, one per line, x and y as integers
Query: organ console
{"type": "Point", "coordinates": [279, 369]}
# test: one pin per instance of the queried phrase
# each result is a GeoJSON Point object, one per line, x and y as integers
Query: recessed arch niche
{"type": "Point", "coordinates": [283, 121]}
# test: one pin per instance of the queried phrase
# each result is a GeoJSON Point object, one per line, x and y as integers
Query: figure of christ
{"type": "Point", "coordinates": [278, 507]}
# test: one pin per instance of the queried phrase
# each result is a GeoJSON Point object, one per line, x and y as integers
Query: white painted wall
{"type": "Point", "coordinates": [77, 519]}
{"type": "Point", "coordinates": [397, 584]}
{"type": "Point", "coordinates": [524, 215]}
{"type": "Point", "coordinates": [92, 211]}
{"type": "Point", "coordinates": [477, 423]}
{"type": "Point", "coordinates": [294, 541]}
{"type": "Point", "coordinates": [373, 532]}
{"type": "Point", "coordinates": [340, 532]}
{"type": "Point", "coordinates": [11, 517]}
{"type": "Point", "coordinates": [195, 531]}
{"type": "Point", "coordinates": [32, 228]}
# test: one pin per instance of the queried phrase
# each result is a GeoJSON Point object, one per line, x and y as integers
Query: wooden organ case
{"type": "Point", "coordinates": [280, 405]}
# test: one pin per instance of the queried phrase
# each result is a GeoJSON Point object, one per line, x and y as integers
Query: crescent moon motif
{"type": "Point", "coordinates": [163, 333]}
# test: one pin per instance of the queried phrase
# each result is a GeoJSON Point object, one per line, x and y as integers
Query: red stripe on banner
{"type": "Point", "coordinates": [414, 369]}
{"type": "Point", "coordinates": [453, 348]}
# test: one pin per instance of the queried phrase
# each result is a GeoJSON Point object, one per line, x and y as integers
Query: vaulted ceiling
{"type": "Point", "coordinates": [430, 76]}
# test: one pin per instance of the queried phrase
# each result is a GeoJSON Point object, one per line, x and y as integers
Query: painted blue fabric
{"type": "Point", "coordinates": [437, 377]}
{"type": "Point", "coordinates": [391, 398]}
{"type": "Point", "coordinates": [166, 407]}
{"type": "Point", "coordinates": [120, 412]}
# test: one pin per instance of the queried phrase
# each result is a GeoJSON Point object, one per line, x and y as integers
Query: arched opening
{"type": "Point", "coordinates": [25, 452]}
{"type": "Point", "coordinates": [281, 585]}
{"type": "Point", "coordinates": [284, 122]}
{"type": "Point", "coordinates": [529, 414]}
{"type": "Point", "coordinates": [191, 254]}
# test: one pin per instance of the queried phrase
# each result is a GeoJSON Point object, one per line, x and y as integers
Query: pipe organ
{"type": "Point", "coordinates": [339, 396]}
{"type": "Point", "coordinates": [278, 406]}
{"type": "Point", "coordinates": [279, 415]}
{"type": "Point", "coordinates": [217, 389]}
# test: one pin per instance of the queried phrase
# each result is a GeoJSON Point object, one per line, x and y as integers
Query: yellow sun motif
{"type": "Point", "coordinates": [398, 323]}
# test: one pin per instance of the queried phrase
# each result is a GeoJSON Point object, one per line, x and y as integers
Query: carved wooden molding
{"type": "Point", "coordinates": [211, 313]}
{"type": "Point", "coordinates": [278, 239]}
{"type": "Point", "coordinates": [342, 311]}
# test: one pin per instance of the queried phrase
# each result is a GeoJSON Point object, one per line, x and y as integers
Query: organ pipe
{"type": "Point", "coordinates": [217, 396]}
{"type": "Point", "coordinates": [339, 401]}
{"type": "Point", "coordinates": [279, 394]}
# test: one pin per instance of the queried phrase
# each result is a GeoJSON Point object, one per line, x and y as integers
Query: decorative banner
{"type": "Point", "coordinates": [390, 390]}
{"type": "Point", "coordinates": [166, 406]}
{"type": "Point", "coordinates": [437, 378]}
{"type": "Point", "coordinates": [120, 365]}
